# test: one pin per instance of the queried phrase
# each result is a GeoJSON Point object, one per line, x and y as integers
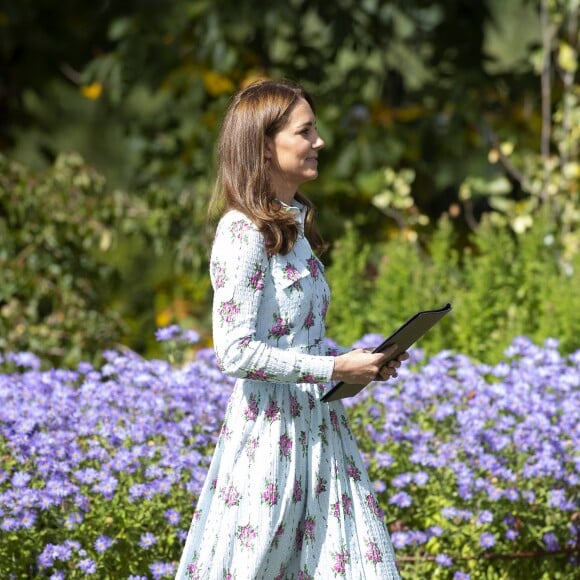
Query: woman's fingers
{"type": "Point", "coordinates": [389, 369]}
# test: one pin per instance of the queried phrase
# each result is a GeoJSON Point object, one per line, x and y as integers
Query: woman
{"type": "Point", "coordinates": [287, 495]}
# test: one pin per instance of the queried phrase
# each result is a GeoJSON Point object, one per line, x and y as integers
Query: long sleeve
{"type": "Point", "coordinates": [242, 282]}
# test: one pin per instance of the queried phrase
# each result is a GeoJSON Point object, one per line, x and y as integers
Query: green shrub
{"type": "Point", "coordinates": [501, 285]}
{"type": "Point", "coordinates": [55, 230]}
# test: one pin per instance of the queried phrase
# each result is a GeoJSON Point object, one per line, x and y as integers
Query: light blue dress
{"type": "Point", "coordinates": [287, 495]}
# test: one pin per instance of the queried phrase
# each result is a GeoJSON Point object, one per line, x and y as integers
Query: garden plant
{"type": "Point", "coordinates": [475, 466]}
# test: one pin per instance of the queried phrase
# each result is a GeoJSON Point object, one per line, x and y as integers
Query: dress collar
{"type": "Point", "coordinates": [294, 207]}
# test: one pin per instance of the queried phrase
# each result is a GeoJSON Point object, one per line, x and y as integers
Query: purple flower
{"type": "Point", "coordinates": [162, 570]}
{"type": "Point", "coordinates": [87, 565]}
{"type": "Point", "coordinates": [443, 560]}
{"type": "Point", "coordinates": [103, 543]}
{"type": "Point", "coordinates": [27, 520]}
{"type": "Point", "coordinates": [402, 480]}
{"type": "Point", "coordinates": [167, 332]}
{"type": "Point", "coordinates": [147, 540]}
{"type": "Point", "coordinates": [551, 542]}
{"type": "Point", "coordinates": [190, 336]}
{"type": "Point", "coordinates": [25, 360]}
{"type": "Point", "coordinates": [379, 486]}
{"type": "Point", "coordinates": [401, 499]}
{"type": "Point", "coordinates": [172, 516]}
{"type": "Point", "coordinates": [21, 479]}
{"type": "Point", "coordinates": [487, 540]}
{"type": "Point", "coordinates": [400, 539]}
{"type": "Point", "coordinates": [485, 517]}
{"type": "Point", "coordinates": [558, 499]}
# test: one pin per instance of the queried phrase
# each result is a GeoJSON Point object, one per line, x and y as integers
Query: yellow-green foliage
{"type": "Point", "coordinates": [501, 286]}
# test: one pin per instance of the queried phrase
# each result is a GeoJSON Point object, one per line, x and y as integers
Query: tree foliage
{"type": "Point", "coordinates": [426, 108]}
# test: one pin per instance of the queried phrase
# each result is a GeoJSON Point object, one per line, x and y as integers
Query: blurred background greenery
{"type": "Point", "coordinates": [450, 174]}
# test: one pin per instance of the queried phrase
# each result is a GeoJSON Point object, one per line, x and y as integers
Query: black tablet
{"type": "Point", "coordinates": [404, 337]}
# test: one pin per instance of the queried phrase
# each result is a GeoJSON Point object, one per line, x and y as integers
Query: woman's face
{"type": "Point", "coordinates": [293, 152]}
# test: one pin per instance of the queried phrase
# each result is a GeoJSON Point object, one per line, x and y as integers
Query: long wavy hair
{"type": "Point", "coordinates": [243, 180]}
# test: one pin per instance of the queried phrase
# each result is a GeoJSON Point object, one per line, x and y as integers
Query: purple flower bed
{"type": "Point", "coordinates": [478, 466]}
{"type": "Point", "coordinates": [100, 467]}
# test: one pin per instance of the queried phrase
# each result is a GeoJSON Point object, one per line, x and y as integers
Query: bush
{"type": "Point", "coordinates": [85, 268]}
{"type": "Point", "coordinates": [501, 286]}
{"type": "Point", "coordinates": [54, 229]}
{"type": "Point", "coordinates": [474, 464]}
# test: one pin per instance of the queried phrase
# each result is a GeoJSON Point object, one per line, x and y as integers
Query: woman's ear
{"type": "Point", "coordinates": [268, 148]}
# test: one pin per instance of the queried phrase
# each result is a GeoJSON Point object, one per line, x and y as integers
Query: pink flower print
{"type": "Point", "coordinates": [251, 446]}
{"type": "Point", "coordinates": [192, 570]}
{"type": "Point", "coordinates": [219, 276]}
{"type": "Point", "coordinates": [226, 432]}
{"type": "Point", "coordinates": [213, 485]}
{"type": "Point", "coordinates": [256, 280]}
{"type": "Point", "coordinates": [305, 575]}
{"type": "Point", "coordinates": [279, 533]}
{"type": "Point", "coordinates": [373, 554]}
{"type": "Point", "coordinates": [257, 375]}
{"type": "Point", "coordinates": [229, 576]}
{"type": "Point", "coordinates": [313, 266]}
{"type": "Point", "coordinates": [238, 230]}
{"type": "Point", "coordinates": [352, 470]}
{"type": "Point", "coordinates": [292, 274]}
{"type": "Point", "coordinates": [336, 509]}
{"type": "Point", "coordinates": [280, 328]}
{"type": "Point", "coordinates": [244, 342]}
{"type": "Point", "coordinates": [270, 495]}
{"type": "Point", "coordinates": [334, 420]}
{"type": "Point", "coordinates": [273, 411]}
{"type": "Point", "coordinates": [322, 430]}
{"type": "Point", "coordinates": [341, 559]}
{"type": "Point", "coordinates": [346, 426]}
{"type": "Point", "coordinates": [309, 528]}
{"type": "Point", "coordinates": [374, 506]}
{"type": "Point", "coordinates": [251, 411]}
{"type": "Point", "coordinates": [309, 320]}
{"type": "Point", "coordinates": [297, 491]}
{"type": "Point", "coordinates": [282, 574]}
{"type": "Point", "coordinates": [346, 504]}
{"type": "Point", "coordinates": [230, 495]}
{"type": "Point", "coordinates": [295, 407]}
{"type": "Point", "coordinates": [285, 445]}
{"type": "Point", "coordinates": [325, 305]}
{"type": "Point", "coordinates": [246, 534]}
{"type": "Point", "coordinates": [308, 378]}
{"type": "Point", "coordinates": [311, 402]}
{"type": "Point", "coordinates": [228, 311]}
{"type": "Point", "coordinates": [320, 485]}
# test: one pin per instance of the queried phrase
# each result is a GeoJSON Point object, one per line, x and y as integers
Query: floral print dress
{"type": "Point", "coordinates": [286, 495]}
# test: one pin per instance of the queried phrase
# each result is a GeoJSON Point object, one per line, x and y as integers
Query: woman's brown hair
{"type": "Point", "coordinates": [243, 182]}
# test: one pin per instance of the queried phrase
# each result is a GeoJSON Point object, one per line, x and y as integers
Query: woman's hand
{"type": "Point", "coordinates": [362, 366]}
